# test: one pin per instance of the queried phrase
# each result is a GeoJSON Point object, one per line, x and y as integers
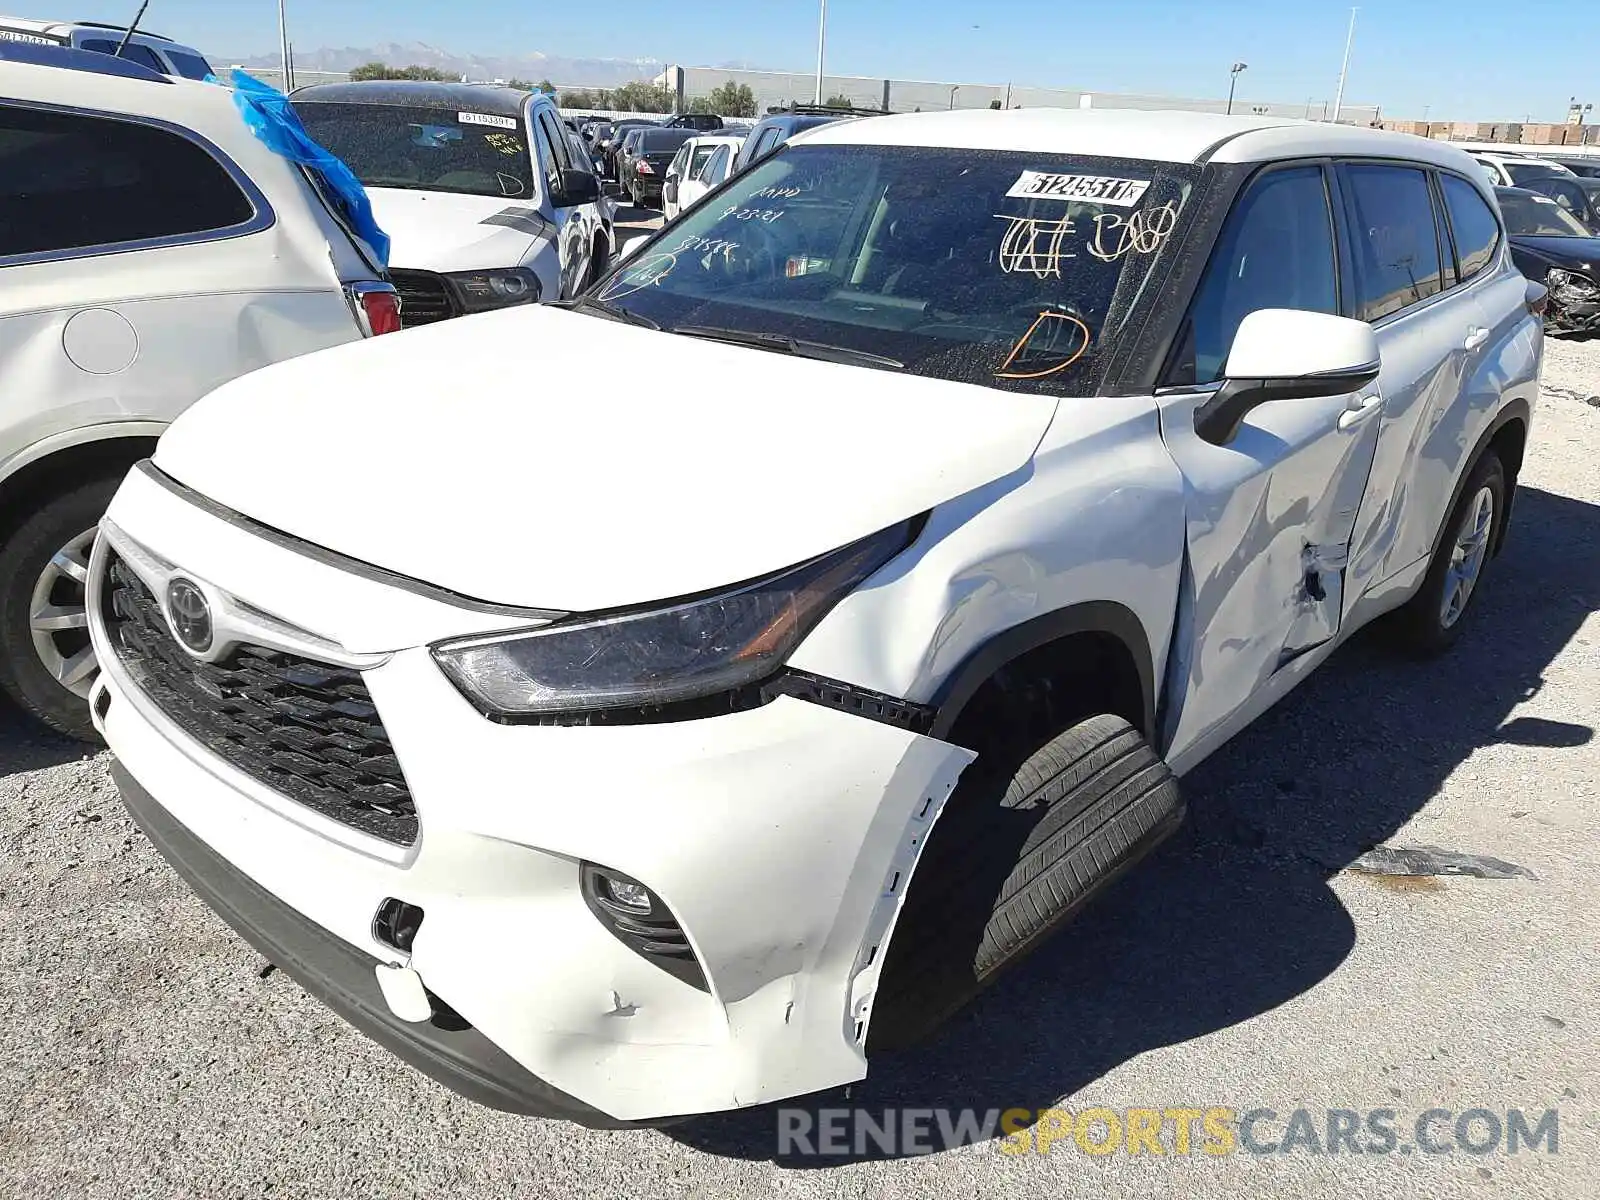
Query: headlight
{"type": "Point", "coordinates": [480, 291]}
{"type": "Point", "coordinates": [1557, 278]}
{"type": "Point", "coordinates": [690, 649]}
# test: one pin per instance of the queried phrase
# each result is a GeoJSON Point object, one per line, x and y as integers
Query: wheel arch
{"type": "Point", "coordinates": [69, 458]}
{"type": "Point", "coordinates": [1110, 627]}
{"type": "Point", "coordinates": [1507, 435]}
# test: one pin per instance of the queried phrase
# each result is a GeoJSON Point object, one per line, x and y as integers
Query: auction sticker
{"type": "Point", "coordinates": [487, 119]}
{"type": "Point", "coordinates": [1096, 189]}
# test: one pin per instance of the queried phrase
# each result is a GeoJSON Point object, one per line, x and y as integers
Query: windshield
{"type": "Point", "coordinates": [190, 66]}
{"type": "Point", "coordinates": [1521, 172]}
{"type": "Point", "coordinates": [426, 149]}
{"type": "Point", "coordinates": [1536, 216]}
{"type": "Point", "coordinates": [1011, 270]}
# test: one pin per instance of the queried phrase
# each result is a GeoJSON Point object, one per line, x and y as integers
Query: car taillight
{"type": "Point", "coordinates": [645, 168]}
{"type": "Point", "coordinates": [376, 306]}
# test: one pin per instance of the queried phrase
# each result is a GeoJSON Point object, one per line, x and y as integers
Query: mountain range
{"type": "Point", "coordinates": [534, 65]}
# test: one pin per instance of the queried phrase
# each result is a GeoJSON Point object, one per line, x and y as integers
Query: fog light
{"type": "Point", "coordinates": [629, 895]}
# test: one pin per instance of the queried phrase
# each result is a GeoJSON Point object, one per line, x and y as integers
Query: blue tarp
{"type": "Point", "coordinates": [272, 118]}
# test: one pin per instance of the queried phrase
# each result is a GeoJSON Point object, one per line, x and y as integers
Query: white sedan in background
{"type": "Point", "coordinates": [702, 164]}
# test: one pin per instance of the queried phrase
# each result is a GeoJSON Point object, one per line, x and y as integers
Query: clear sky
{"type": "Point", "coordinates": [1465, 59]}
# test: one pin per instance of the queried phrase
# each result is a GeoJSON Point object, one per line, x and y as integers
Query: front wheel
{"type": "Point", "coordinates": [1431, 621]}
{"type": "Point", "coordinates": [46, 662]}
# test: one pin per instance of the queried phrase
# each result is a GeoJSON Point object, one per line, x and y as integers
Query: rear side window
{"type": "Point", "coordinates": [764, 144]}
{"type": "Point", "coordinates": [69, 181]}
{"type": "Point", "coordinates": [1396, 242]}
{"type": "Point", "coordinates": [133, 52]}
{"type": "Point", "coordinates": [1476, 230]}
{"type": "Point", "coordinates": [190, 66]}
{"type": "Point", "coordinates": [1276, 251]}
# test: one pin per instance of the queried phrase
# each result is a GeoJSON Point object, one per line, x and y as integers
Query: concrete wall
{"type": "Point", "coordinates": [778, 89]}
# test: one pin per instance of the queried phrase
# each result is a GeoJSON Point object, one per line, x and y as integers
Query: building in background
{"type": "Point", "coordinates": [779, 89]}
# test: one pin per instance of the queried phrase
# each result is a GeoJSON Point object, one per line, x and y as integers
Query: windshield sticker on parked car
{"type": "Point", "coordinates": [471, 118]}
{"type": "Point", "coordinates": [1051, 344]}
{"type": "Point", "coordinates": [1095, 189]}
{"type": "Point", "coordinates": [1142, 232]}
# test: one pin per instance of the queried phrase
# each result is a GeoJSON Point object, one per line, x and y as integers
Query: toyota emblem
{"type": "Point", "coordinates": [189, 615]}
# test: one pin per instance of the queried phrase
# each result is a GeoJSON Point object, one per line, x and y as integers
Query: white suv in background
{"type": "Point", "coordinates": [663, 752]}
{"type": "Point", "coordinates": [148, 49]}
{"type": "Point", "coordinates": [488, 202]}
{"type": "Point", "coordinates": [150, 249]}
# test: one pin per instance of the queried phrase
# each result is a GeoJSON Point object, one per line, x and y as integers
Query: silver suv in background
{"type": "Point", "coordinates": [143, 47]}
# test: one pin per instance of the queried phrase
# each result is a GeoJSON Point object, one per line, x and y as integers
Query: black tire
{"type": "Point", "coordinates": [1017, 854]}
{"type": "Point", "coordinates": [25, 553]}
{"type": "Point", "coordinates": [1420, 627]}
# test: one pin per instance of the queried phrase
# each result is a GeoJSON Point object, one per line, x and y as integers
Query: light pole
{"type": "Point", "coordinates": [1344, 69]}
{"type": "Point", "coordinates": [283, 38]}
{"type": "Point", "coordinates": [953, 92]}
{"type": "Point", "coordinates": [822, 46]}
{"type": "Point", "coordinates": [1233, 79]}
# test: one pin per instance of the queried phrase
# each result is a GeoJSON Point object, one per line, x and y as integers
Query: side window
{"type": "Point", "coordinates": [1473, 222]}
{"type": "Point", "coordinates": [765, 144]}
{"type": "Point", "coordinates": [1395, 242]}
{"type": "Point", "coordinates": [1276, 251]}
{"type": "Point", "coordinates": [714, 166]}
{"type": "Point", "coordinates": [549, 165]}
{"type": "Point", "coordinates": [69, 181]}
{"type": "Point", "coordinates": [557, 136]}
{"type": "Point", "coordinates": [679, 161]}
{"type": "Point", "coordinates": [133, 52]}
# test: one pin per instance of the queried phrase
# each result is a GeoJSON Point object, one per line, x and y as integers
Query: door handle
{"type": "Point", "coordinates": [1357, 414]}
{"type": "Point", "coordinates": [1477, 335]}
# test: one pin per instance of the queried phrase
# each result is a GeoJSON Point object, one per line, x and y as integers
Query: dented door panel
{"type": "Point", "coordinates": [1269, 519]}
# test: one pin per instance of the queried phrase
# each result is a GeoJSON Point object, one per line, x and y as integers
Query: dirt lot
{"type": "Point", "coordinates": [146, 1051]}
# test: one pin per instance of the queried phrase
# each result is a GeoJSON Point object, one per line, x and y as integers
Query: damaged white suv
{"type": "Point", "coordinates": [664, 753]}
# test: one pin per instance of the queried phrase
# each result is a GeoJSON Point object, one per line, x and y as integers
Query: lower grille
{"type": "Point", "coordinates": [306, 729]}
{"type": "Point", "coordinates": [424, 298]}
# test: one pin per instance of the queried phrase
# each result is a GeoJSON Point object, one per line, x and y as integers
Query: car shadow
{"type": "Point", "coordinates": [1336, 768]}
{"type": "Point", "coordinates": [26, 745]}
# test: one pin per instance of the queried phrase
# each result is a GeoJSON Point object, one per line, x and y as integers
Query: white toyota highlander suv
{"type": "Point", "coordinates": [663, 753]}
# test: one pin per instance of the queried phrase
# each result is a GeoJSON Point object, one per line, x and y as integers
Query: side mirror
{"type": "Point", "coordinates": [611, 189]}
{"type": "Point", "coordinates": [577, 187]}
{"type": "Point", "coordinates": [1287, 354]}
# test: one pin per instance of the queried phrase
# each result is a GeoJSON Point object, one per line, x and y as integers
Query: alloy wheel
{"type": "Point", "coordinates": [1467, 557]}
{"type": "Point", "coordinates": [58, 616]}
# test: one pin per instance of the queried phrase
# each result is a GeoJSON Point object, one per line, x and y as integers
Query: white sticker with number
{"type": "Point", "coordinates": [487, 119]}
{"type": "Point", "coordinates": [1092, 189]}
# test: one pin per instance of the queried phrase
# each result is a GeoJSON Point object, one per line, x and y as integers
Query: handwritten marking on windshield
{"type": "Point", "coordinates": [1035, 246]}
{"type": "Point", "coordinates": [769, 215]}
{"type": "Point", "coordinates": [1142, 232]}
{"type": "Point", "coordinates": [648, 273]}
{"type": "Point", "coordinates": [704, 245]}
{"type": "Point", "coordinates": [775, 193]}
{"type": "Point", "coordinates": [1057, 323]}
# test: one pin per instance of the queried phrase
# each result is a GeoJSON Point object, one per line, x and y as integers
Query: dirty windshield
{"type": "Point", "coordinates": [429, 149]}
{"type": "Point", "coordinates": [1005, 269]}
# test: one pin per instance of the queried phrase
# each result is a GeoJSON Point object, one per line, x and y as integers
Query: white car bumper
{"type": "Point", "coordinates": [781, 838]}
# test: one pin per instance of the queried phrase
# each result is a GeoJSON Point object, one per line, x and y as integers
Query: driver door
{"type": "Point", "coordinates": [1270, 514]}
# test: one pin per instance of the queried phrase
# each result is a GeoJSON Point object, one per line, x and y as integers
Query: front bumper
{"type": "Point", "coordinates": [781, 838]}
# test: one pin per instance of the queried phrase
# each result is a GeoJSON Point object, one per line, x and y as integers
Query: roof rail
{"type": "Point", "coordinates": [118, 28]}
{"type": "Point", "coordinates": [828, 110]}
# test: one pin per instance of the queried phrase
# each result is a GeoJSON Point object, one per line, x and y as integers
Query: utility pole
{"type": "Point", "coordinates": [1344, 70]}
{"type": "Point", "coordinates": [1233, 79]}
{"type": "Point", "coordinates": [822, 46]}
{"type": "Point", "coordinates": [283, 38]}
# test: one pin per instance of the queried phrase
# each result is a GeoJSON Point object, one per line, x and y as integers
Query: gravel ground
{"type": "Point", "coordinates": [146, 1051]}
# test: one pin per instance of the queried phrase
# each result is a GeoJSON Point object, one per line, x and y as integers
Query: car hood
{"type": "Point", "coordinates": [1572, 253]}
{"type": "Point", "coordinates": [485, 455]}
{"type": "Point", "coordinates": [445, 231]}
